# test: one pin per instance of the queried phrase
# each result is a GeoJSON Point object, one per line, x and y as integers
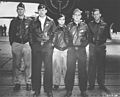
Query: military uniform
{"type": "Point", "coordinates": [61, 40]}
{"type": "Point", "coordinates": [42, 50]}
{"type": "Point", "coordinates": [19, 40]}
{"type": "Point", "coordinates": [77, 53]}
{"type": "Point", "coordinates": [99, 32]}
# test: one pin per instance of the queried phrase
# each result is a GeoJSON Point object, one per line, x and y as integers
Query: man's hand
{"type": "Point", "coordinates": [45, 38]}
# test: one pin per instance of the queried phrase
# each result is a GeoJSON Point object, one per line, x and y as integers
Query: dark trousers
{"type": "Point", "coordinates": [42, 54]}
{"type": "Point", "coordinates": [96, 68]}
{"type": "Point", "coordinates": [74, 55]}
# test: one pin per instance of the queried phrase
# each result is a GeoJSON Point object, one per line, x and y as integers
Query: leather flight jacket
{"type": "Point", "coordinates": [99, 32]}
{"type": "Point", "coordinates": [61, 38]}
{"type": "Point", "coordinates": [39, 36]}
{"type": "Point", "coordinates": [79, 34]}
{"type": "Point", "coordinates": [18, 31]}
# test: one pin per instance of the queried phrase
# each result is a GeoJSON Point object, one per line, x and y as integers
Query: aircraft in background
{"type": "Point", "coordinates": [54, 6]}
{"type": "Point", "coordinates": [6, 17]}
{"type": "Point", "coordinates": [24, 1]}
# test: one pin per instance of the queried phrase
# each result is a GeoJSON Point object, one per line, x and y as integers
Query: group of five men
{"type": "Point", "coordinates": [33, 39]}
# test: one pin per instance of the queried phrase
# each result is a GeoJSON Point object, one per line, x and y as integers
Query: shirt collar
{"type": "Point", "coordinates": [98, 22]}
{"type": "Point", "coordinates": [20, 18]}
{"type": "Point", "coordinates": [62, 26]}
{"type": "Point", "coordinates": [77, 24]}
{"type": "Point", "coordinates": [41, 19]}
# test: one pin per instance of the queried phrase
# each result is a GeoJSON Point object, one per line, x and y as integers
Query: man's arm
{"type": "Point", "coordinates": [86, 35]}
{"type": "Point", "coordinates": [107, 31]}
{"type": "Point", "coordinates": [11, 32]}
{"type": "Point", "coordinates": [90, 34]}
{"type": "Point", "coordinates": [53, 28]}
{"type": "Point", "coordinates": [30, 30]}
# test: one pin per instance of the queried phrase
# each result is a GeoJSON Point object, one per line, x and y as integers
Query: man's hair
{"type": "Point", "coordinates": [41, 6]}
{"type": "Point", "coordinates": [95, 9]}
{"type": "Point", "coordinates": [59, 16]}
{"type": "Point", "coordinates": [77, 10]}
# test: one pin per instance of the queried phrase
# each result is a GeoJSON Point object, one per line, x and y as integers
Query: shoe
{"type": "Point", "coordinates": [83, 94]}
{"type": "Point", "coordinates": [103, 88]}
{"type": "Point", "coordinates": [28, 87]}
{"type": "Point", "coordinates": [91, 88]}
{"type": "Point", "coordinates": [16, 87]}
{"type": "Point", "coordinates": [55, 87]}
{"type": "Point", "coordinates": [36, 94]}
{"type": "Point", "coordinates": [49, 94]}
{"type": "Point", "coordinates": [68, 93]}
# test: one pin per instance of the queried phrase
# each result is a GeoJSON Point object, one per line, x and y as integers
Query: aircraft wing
{"type": "Point", "coordinates": [6, 17]}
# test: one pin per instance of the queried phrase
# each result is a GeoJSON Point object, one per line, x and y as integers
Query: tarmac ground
{"type": "Point", "coordinates": [112, 80]}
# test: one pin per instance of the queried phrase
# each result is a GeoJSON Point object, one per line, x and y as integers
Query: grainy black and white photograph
{"type": "Point", "coordinates": [59, 48]}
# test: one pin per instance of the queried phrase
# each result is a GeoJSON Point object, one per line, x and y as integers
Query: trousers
{"type": "Point", "coordinates": [59, 65]}
{"type": "Point", "coordinates": [42, 54]}
{"type": "Point", "coordinates": [21, 52]}
{"type": "Point", "coordinates": [96, 67]}
{"type": "Point", "coordinates": [76, 55]}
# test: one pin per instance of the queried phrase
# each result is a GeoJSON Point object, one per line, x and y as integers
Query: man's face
{"type": "Point", "coordinates": [20, 11]}
{"type": "Point", "coordinates": [77, 16]}
{"type": "Point", "coordinates": [96, 15]}
{"type": "Point", "coordinates": [61, 21]}
{"type": "Point", "coordinates": [42, 12]}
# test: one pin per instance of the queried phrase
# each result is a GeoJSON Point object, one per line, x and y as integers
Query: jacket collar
{"type": "Point", "coordinates": [47, 19]}
{"type": "Point", "coordinates": [61, 27]}
{"type": "Point", "coordinates": [100, 22]}
{"type": "Point", "coordinates": [78, 23]}
{"type": "Point", "coordinates": [22, 19]}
